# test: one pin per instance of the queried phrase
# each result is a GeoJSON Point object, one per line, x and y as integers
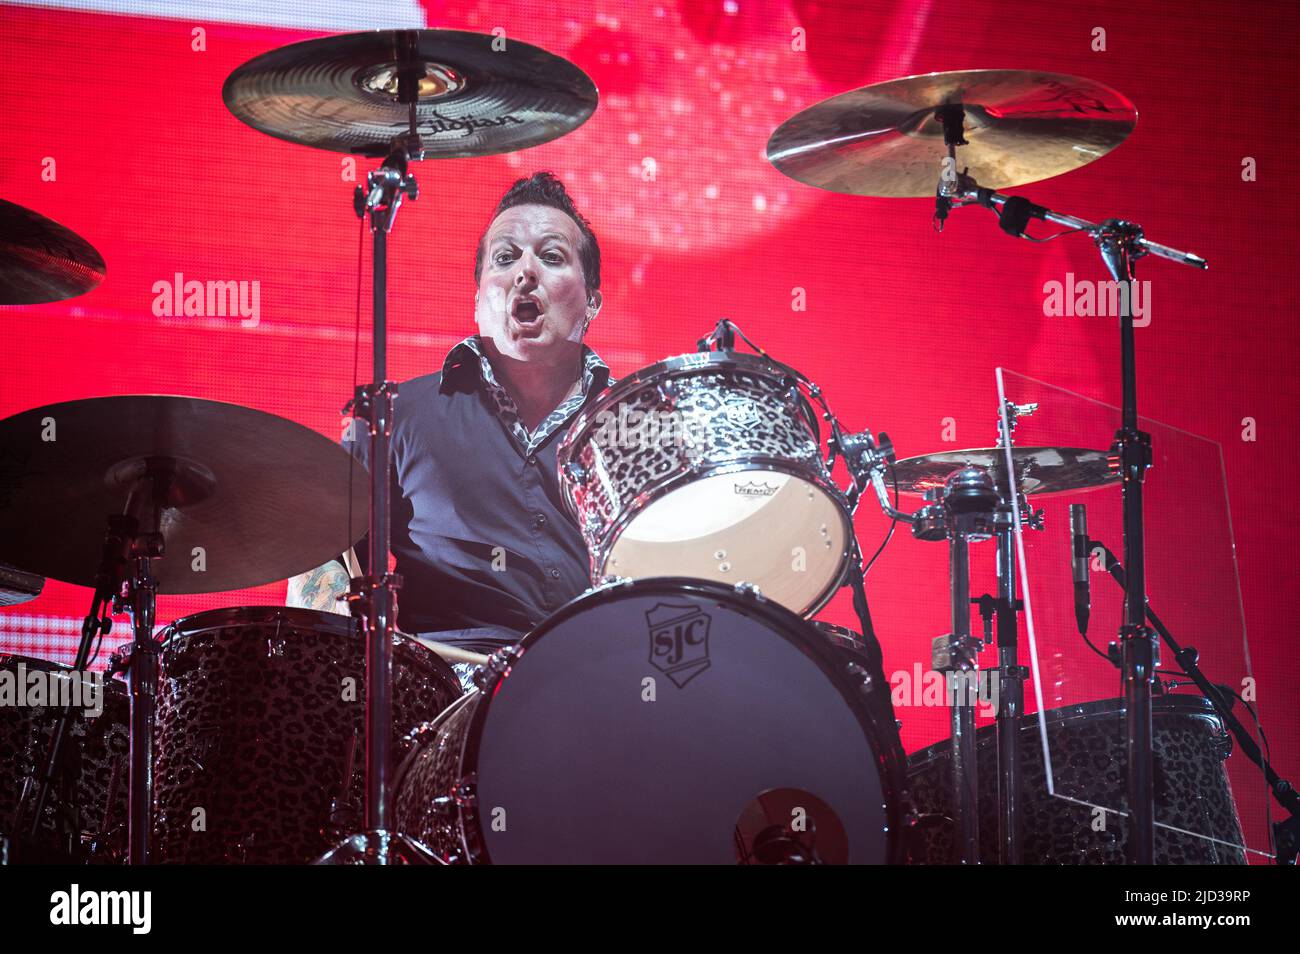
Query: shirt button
{"type": "Point", "coordinates": [532, 460]}
{"type": "Point", "coordinates": [555, 574]}
{"type": "Point", "coordinates": [540, 519]}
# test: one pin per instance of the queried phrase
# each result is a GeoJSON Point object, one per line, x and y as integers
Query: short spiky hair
{"type": "Point", "coordinates": [544, 188]}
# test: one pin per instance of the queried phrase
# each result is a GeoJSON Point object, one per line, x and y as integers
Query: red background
{"type": "Point", "coordinates": [903, 328]}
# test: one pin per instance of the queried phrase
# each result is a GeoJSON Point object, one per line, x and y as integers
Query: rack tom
{"type": "Point", "coordinates": [709, 466]}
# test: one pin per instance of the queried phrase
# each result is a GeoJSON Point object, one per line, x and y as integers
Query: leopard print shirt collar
{"type": "Point", "coordinates": [595, 377]}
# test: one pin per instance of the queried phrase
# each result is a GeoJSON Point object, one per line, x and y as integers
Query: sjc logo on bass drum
{"type": "Point", "coordinates": [679, 641]}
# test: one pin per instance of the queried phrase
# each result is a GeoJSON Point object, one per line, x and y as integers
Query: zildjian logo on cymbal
{"type": "Point", "coordinates": [445, 124]}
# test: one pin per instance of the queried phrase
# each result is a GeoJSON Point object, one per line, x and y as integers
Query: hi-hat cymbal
{"type": "Point", "coordinates": [884, 140]}
{"type": "Point", "coordinates": [478, 94]}
{"type": "Point", "coordinates": [256, 499]}
{"type": "Point", "coordinates": [41, 260]}
{"type": "Point", "coordinates": [1041, 471]}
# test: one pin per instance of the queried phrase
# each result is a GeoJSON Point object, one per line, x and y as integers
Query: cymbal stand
{"type": "Point", "coordinates": [165, 484]}
{"type": "Point", "coordinates": [969, 502]}
{"type": "Point", "coordinates": [373, 598]}
{"type": "Point", "coordinates": [1120, 244]}
{"type": "Point", "coordinates": [1011, 675]}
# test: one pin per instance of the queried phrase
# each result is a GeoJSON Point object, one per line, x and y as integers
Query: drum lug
{"type": "Point", "coordinates": [497, 667]}
{"type": "Point", "coordinates": [465, 793]}
{"type": "Point", "coordinates": [859, 675]}
{"type": "Point", "coordinates": [575, 472]}
{"type": "Point", "coordinates": [792, 398]}
{"type": "Point", "coordinates": [444, 806]}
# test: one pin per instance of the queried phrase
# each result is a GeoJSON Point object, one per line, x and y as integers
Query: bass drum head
{"type": "Point", "coordinates": [675, 721]}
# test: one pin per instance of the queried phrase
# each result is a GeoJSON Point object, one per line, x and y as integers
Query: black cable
{"type": "Point", "coordinates": [356, 351]}
{"type": "Point", "coordinates": [1268, 760]}
{"type": "Point", "coordinates": [893, 522]}
{"type": "Point", "coordinates": [821, 399]}
{"type": "Point", "coordinates": [1051, 237]}
{"type": "Point", "coordinates": [1095, 649]}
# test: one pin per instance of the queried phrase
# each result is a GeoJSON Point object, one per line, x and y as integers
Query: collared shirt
{"type": "Point", "coordinates": [593, 369]}
{"type": "Point", "coordinates": [480, 533]}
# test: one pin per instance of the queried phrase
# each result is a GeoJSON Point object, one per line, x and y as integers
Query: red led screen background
{"type": "Point", "coordinates": [902, 327]}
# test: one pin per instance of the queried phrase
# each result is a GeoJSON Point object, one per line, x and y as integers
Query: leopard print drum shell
{"type": "Point", "coordinates": [261, 732]}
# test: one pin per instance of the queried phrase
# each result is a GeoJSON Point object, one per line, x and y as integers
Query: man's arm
{"type": "Point", "coordinates": [320, 589]}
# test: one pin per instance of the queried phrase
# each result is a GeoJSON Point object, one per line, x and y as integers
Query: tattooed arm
{"type": "Point", "coordinates": [320, 588]}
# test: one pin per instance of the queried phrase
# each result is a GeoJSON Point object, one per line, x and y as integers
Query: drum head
{"type": "Point", "coordinates": [674, 721]}
{"type": "Point", "coordinates": [724, 528]}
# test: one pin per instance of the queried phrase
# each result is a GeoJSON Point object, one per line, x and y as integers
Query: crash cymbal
{"type": "Point", "coordinates": [478, 95]}
{"type": "Point", "coordinates": [256, 498]}
{"type": "Point", "coordinates": [1041, 470]}
{"type": "Point", "coordinates": [884, 140]}
{"type": "Point", "coordinates": [41, 261]}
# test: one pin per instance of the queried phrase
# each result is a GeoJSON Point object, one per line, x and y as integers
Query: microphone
{"type": "Point", "coordinates": [1082, 594]}
{"type": "Point", "coordinates": [943, 194]}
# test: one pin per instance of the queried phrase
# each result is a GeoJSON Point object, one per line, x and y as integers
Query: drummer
{"type": "Point", "coordinates": [480, 536]}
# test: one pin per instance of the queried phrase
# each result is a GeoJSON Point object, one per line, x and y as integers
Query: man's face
{"type": "Point", "coordinates": [532, 297]}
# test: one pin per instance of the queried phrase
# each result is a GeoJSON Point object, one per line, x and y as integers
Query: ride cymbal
{"type": "Point", "coordinates": [885, 140]}
{"type": "Point", "coordinates": [476, 94]}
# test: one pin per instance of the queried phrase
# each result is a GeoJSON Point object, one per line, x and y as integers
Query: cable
{"type": "Point", "coordinates": [356, 351]}
{"type": "Point", "coordinates": [1051, 237]}
{"type": "Point", "coordinates": [889, 534]}
{"type": "Point", "coordinates": [816, 394]}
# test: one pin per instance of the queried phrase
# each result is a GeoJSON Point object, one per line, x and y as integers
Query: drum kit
{"type": "Point", "coordinates": [686, 708]}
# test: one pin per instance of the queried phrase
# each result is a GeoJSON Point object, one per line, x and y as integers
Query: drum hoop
{"type": "Point", "coordinates": [226, 616]}
{"type": "Point", "coordinates": [1189, 704]}
{"type": "Point", "coordinates": [331, 624]}
{"type": "Point", "coordinates": [891, 771]}
{"type": "Point", "coordinates": [110, 685]}
{"type": "Point", "coordinates": [738, 466]}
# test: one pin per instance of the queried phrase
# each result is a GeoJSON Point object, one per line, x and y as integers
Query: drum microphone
{"type": "Point", "coordinates": [1079, 554]}
{"type": "Point", "coordinates": [943, 194]}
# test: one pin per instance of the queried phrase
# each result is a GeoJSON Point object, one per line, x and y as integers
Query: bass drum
{"type": "Point", "coordinates": [261, 732]}
{"type": "Point", "coordinates": [662, 721]}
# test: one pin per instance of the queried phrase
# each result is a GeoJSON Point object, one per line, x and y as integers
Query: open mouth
{"type": "Point", "coordinates": [526, 310]}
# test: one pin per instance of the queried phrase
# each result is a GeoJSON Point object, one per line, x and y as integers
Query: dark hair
{"type": "Point", "coordinates": [543, 188]}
